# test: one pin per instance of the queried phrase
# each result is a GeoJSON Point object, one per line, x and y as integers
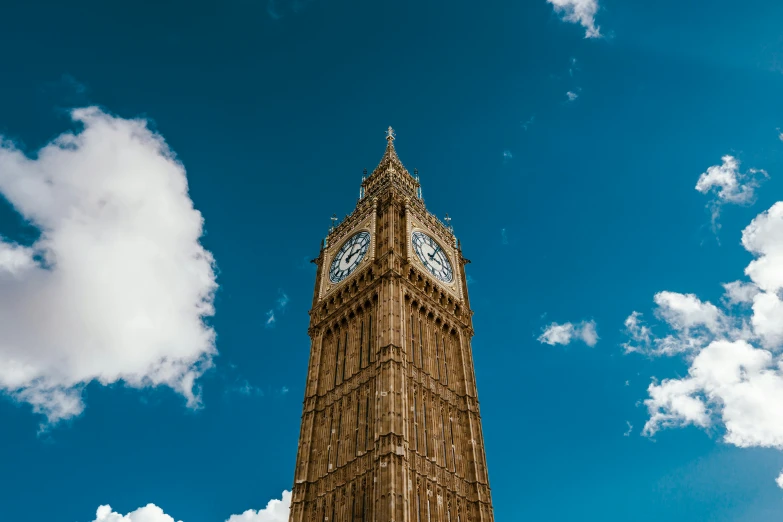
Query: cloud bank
{"type": "Point", "coordinates": [735, 374]}
{"type": "Point", "coordinates": [117, 287]}
{"type": "Point", "coordinates": [275, 511]}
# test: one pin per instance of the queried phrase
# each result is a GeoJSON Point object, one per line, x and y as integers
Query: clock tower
{"type": "Point", "coordinates": [391, 430]}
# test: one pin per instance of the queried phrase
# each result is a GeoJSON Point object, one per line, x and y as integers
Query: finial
{"type": "Point", "coordinates": [334, 221]}
{"type": "Point", "coordinates": [364, 173]}
{"type": "Point", "coordinates": [447, 219]}
{"type": "Point", "coordinates": [390, 134]}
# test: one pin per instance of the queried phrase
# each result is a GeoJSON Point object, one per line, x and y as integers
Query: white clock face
{"type": "Point", "coordinates": [349, 256]}
{"type": "Point", "coordinates": [432, 255]}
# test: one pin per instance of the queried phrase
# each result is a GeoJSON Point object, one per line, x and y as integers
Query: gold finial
{"type": "Point", "coordinates": [390, 134]}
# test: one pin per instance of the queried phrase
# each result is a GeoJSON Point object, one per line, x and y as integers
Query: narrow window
{"type": "Point", "coordinates": [415, 422]}
{"type": "Point", "coordinates": [345, 352]}
{"type": "Point", "coordinates": [453, 454]}
{"type": "Point", "coordinates": [353, 505]}
{"type": "Point", "coordinates": [437, 355]}
{"type": "Point", "coordinates": [413, 342]}
{"type": "Point", "coordinates": [424, 410]}
{"type": "Point", "coordinates": [364, 499]}
{"type": "Point", "coordinates": [445, 361]}
{"type": "Point", "coordinates": [336, 360]}
{"type": "Point", "coordinates": [421, 349]}
{"type": "Point", "coordinates": [428, 508]}
{"type": "Point", "coordinates": [361, 346]}
{"type": "Point", "coordinates": [339, 434]}
{"type": "Point", "coordinates": [367, 423]}
{"type": "Point", "coordinates": [329, 448]}
{"type": "Point", "coordinates": [356, 440]}
{"type": "Point", "coordinates": [418, 505]}
{"type": "Point", "coordinates": [443, 438]}
{"type": "Point", "coordinates": [370, 348]}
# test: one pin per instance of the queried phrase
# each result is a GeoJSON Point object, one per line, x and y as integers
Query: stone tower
{"type": "Point", "coordinates": [391, 430]}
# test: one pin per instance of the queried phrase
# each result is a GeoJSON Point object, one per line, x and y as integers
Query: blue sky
{"type": "Point", "coordinates": [134, 371]}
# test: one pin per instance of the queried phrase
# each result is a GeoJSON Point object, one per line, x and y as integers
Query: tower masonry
{"type": "Point", "coordinates": [391, 430]}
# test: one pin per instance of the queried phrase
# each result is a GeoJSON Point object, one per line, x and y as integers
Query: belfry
{"type": "Point", "coordinates": [391, 430]}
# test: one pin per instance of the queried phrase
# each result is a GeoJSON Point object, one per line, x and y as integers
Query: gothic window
{"type": "Point", "coordinates": [345, 352]}
{"type": "Point", "coordinates": [413, 342]}
{"type": "Point", "coordinates": [421, 350]}
{"type": "Point", "coordinates": [329, 447]}
{"type": "Point", "coordinates": [356, 440]}
{"type": "Point", "coordinates": [370, 344]}
{"type": "Point", "coordinates": [361, 345]}
{"type": "Point", "coordinates": [336, 359]}
{"type": "Point", "coordinates": [437, 354]}
{"type": "Point", "coordinates": [443, 438]}
{"type": "Point", "coordinates": [445, 361]}
{"type": "Point", "coordinates": [367, 422]}
{"type": "Point", "coordinates": [453, 456]}
{"type": "Point", "coordinates": [415, 421]}
{"type": "Point", "coordinates": [424, 410]}
{"type": "Point", "coordinates": [339, 434]}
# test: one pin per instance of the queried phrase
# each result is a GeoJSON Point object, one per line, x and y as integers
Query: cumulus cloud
{"type": "Point", "coordinates": [567, 332]}
{"type": "Point", "coordinates": [735, 374]}
{"type": "Point", "coordinates": [148, 513]}
{"type": "Point", "coordinates": [728, 185]}
{"type": "Point", "coordinates": [739, 292]}
{"type": "Point", "coordinates": [571, 95]}
{"type": "Point", "coordinates": [580, 12]}
{"type": "Point", "coordinates": [779, 480]}
{"type": "Point", "coordinates": [275, 511]}
{"type": "Point", "coordinates": [117, 287]}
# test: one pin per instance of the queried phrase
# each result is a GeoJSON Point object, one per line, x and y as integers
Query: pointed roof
{"type": "Point", "coordinates": [390, 157]}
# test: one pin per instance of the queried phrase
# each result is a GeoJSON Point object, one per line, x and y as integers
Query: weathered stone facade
{"type": "Point", "coordinates": [391, 430]}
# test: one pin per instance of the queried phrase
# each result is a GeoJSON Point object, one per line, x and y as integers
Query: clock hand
{"type": "Point", "coordinates": [434, 252]}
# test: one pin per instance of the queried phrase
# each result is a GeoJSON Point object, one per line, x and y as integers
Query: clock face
{"type": "Point", "coordinates": [433, 256]}
{"type": "Point", "coordinates": [348, 257]}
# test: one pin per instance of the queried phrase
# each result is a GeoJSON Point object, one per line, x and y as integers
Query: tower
{"type": "Point", "coordinates": [391, 430]}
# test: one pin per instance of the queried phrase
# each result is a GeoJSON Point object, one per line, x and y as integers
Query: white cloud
{"type": "Point", "coordinates": [572, 96]}
{"type": "Point", "coordinates": [117, 287]}
{"type": "Point", "coordinates": [739, 292]}
{"type": "Point", "coordinates": [148, 513]}
{"type": "Point", "coordinates": [579, 11]}
{"type": "Point", "coordinates": [735, 374]}
{"type": "Point", "coordinates": [686, 311]}
{"type": "Point", "coordinates": [730, 381]}
{"type": "Point", "coordinates": [507, 156]}
{"type": "Point", "coordinates": [779, 480]}
{"type": "Point", "coordinates": [693, 324]}
{"type": "Point", "coordinates": [565, 333]}
{"type": "Point", "coordinates": [729, 185]}
{"type": "Point", "coordinates": [275, 511]}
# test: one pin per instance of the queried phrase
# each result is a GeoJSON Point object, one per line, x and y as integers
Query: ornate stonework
{"type": "Point", "coordinates": [391, 430]}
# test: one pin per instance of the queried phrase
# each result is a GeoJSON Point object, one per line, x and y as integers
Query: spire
{"type": "Point", "coordinates": [390, 157]}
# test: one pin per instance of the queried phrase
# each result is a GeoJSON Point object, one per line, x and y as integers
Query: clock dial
{"type": "Point", "coordinates": [348, 257]}
{"type": "Point", "coordinates": [433, 256]}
